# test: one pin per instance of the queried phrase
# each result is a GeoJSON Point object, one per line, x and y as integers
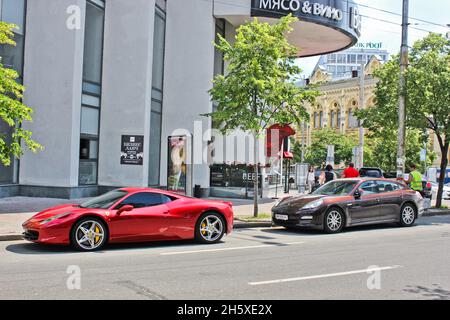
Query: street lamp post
{"type": "Point", "coordinates": [402, 96]}
{"type": "Point", "coordinates": [362, 86]}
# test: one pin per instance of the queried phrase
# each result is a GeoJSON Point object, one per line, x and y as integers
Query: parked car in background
{"type": "Point", "coordinates": [435, 187]}
{"type": "Point", "coordinates": [371, 173]}
{"type": "Point", "coordinates": [427, 190]}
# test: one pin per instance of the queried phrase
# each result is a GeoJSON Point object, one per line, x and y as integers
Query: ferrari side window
{"type": "Point", "coordinates": [143, 200]}
{"type": "Point", "coordinates": [166, 199]}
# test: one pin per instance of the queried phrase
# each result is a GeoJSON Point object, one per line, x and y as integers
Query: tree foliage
{"type": "Point", "coordinates": [259, 88]}
{"type": "Point", "coordinates": [380, 150]}
{"type": "Point", "coordinates": [316, 154]}
{"type": "Point", "coordinates": [12, 111]}
{"type": "Point", "coordinates": [428, 95]}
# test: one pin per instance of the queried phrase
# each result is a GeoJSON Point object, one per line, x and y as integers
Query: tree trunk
{"type": "Point", "coordinates": [444, 163]}
{"type": "Point", "coordinates": [255, 181]}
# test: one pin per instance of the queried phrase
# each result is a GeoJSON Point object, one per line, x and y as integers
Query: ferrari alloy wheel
{"type": "Point", "coordinates": [407, 216]}
{"type": "Point", "coordinates": [334, 221]}
{"type": "Point", "coordinates": [210, 228]}
{"type": "Point", "coordinates": [89, 234]}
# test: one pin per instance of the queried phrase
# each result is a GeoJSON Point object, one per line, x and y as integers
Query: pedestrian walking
{"type": "Point", "coordinates": [322, 177]}
{"type": "Point", "coordinates": [330, 175]}
{"type": "Point", "coordinates": [311, 179]}
{"type": "Point", "coordinates": [350, 172]}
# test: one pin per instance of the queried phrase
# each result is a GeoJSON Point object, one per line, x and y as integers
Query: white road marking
{"type": "Point", "coordinates": [339, 274]}
{"type": "Point", "coordinates": [229, 249]}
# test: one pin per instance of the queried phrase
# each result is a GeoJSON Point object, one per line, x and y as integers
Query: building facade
{"type": "Point", "coordinates": [111, 81]}
{"type": "Point", "coordinates": [341, 64]}
{"type": "Point", "coordinates": [335, 107]}
{"type": "Point", "coordinates": [339, 99]}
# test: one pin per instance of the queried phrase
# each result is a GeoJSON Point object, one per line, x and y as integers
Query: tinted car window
{"type": "Point", "coordinates": [145, 199]}
{"type": "Point", "coordinates": [369, 187]}
{"type": "Point", "coordinates": [336, 188]}
{"type": "Point", "coordinates": [385, 186]}
{"type": "Point", "coordinates": [104, 201]}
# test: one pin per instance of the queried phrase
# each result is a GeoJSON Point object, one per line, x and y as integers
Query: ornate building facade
{"type": "Point", "coordinates": [335, 107]}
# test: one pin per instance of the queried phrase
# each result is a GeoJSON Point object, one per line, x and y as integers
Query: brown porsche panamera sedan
{"type": "Point", "coordinates": [350, 202]}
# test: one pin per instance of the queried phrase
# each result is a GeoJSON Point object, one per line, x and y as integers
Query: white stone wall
{"type": "Point", "coordinates": [52, 76]}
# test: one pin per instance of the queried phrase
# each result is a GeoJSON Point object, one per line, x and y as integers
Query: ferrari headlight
{"type": "Point", "coordinates": [58, 216]}
{"type": "Point", "coordinates": [313, 205]}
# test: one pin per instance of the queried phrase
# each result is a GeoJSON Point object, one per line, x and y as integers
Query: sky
{"type": "Point", "coordinates": [435, 11]}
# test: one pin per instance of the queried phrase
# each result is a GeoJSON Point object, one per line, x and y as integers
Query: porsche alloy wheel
{"type": "Point", "coordinates": [89, 235]}
{"type": "Point", "coordinates": [408, 216]}
{"type": "Point", "coordinates": [210, 228]}
{"type": "Point", "coordinates": [334, 221]}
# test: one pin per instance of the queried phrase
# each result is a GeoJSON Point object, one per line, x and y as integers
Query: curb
{"type": "Point", "coordinates": [242, 225]}
{"type": "Point", "coordinates": [436, 212]}
{"type": "Point", "coordinates": [10, 237]}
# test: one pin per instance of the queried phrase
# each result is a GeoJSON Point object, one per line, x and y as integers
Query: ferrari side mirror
{"type": "Point", "coordinates": [125, 209]}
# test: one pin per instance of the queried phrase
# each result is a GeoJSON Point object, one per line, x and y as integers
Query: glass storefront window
{"type": "Point", "coordinates": [89, 120]}
{"type": "Point", "coordinates": [92, 88]}
{"type": "Point", "coordinates": [155, 148]}
{"type": "Point", "coordinates": [157, 94]}
{"type": "Point", "coordinates": [88, 149]}
{"type": "Point", "coordinates": [93, 43]}
{"type": "Point", "coordinates": [88, 172]}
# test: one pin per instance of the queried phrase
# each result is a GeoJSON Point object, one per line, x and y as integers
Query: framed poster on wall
{"type": "Point", "coordinates": [132, 150]}
{"type": "Point", "coordinates": [179, 168]}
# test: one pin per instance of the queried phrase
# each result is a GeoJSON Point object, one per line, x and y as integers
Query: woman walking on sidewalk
{"type": "Point", "coordinates": [311, 179]}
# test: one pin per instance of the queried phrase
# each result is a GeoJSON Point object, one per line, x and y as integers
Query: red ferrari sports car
{"type": "Point", "coordinates": [131, 215]}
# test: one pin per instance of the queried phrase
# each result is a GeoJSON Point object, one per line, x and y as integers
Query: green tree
{"type": "Point", "coordinates": [428, 95]}
{"type": "Point", "coordinates": [12, 111]}
{"type": "Point", "coordinates": [259, 86]}
{"type": "Point", "coordinates": [316, 154]}
{"type": "Point", "coordinates": [380, 150]}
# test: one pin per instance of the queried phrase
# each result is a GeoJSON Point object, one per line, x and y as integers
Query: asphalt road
{"type": "Point", "coordinates": [411, 263]}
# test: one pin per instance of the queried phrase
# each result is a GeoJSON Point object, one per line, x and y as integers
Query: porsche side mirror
{"type": "Point", "coordinates": [358, 193]}
{"type": "Point", "coordinates": [124, 209]}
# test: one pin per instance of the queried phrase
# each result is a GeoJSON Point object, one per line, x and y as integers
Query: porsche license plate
{"type": "Point", "coordinates": [282, 217]}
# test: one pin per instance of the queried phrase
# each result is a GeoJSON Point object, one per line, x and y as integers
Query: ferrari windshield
{"type": "Point", "coordinates": [336, 188]}
{"type": "Point", "coordinates": [104, 201]}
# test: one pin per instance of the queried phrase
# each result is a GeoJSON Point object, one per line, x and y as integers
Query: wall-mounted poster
{"type": "Point", "coordinates": [132, 150]}
{"type": "Point", "coordinates": [177, 169]}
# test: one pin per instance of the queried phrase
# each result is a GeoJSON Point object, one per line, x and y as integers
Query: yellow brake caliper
{"type": "Point", "coordinates": [97, 230]}
{"type": "Point", "coordinates": [203, 228]}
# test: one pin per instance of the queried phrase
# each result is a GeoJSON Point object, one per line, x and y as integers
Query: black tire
{"type": "Point", "coordinates": [206, 236]}
{"type": "Point", "coordinates": [408, 215]}
{"type": "Point", "coordinates": [334, 221]}
{"type": "Point", "coordinates": [75, 232]}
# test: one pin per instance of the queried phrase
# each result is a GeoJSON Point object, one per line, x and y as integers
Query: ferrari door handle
{"type": "Point", "coordinates": [166, 212]}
